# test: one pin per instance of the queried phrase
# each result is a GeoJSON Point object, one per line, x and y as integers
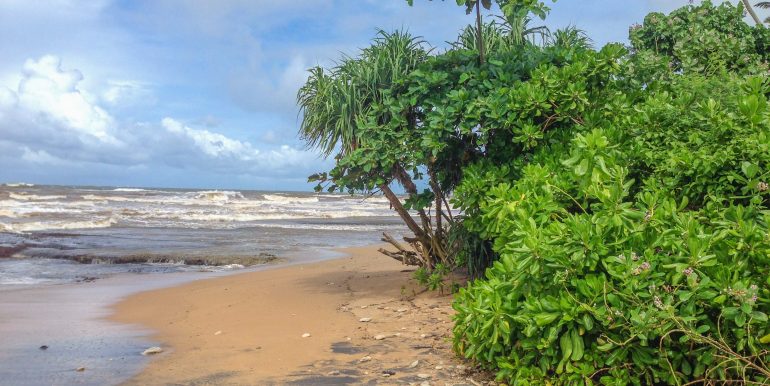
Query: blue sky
{"type": "Point", "coordinates": [199, 93]}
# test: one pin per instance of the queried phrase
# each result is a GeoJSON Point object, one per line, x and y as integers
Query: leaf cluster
{"type": "Point", "coordinates": [626, 195]}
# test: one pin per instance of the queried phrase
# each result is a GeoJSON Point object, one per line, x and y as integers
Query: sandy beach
{"type": "Point", "coordinates": [368, 323]}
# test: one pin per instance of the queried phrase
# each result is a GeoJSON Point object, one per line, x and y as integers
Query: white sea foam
{"type": "Point", "coordinates": [130, 190]}
{"type": "Point", "coordinates": [7, 213]}
{"type": "Point", "coordinates": [22, 280]}
{"type": "Point", "coordinates": [56, 225]}
{"type": "Point", "coordinates": [19, 185]}
{"type": "Point", "coordinates": [34, 197]}
{"type": "Point", "coordinates": [333, 227]}
{"type": "Point", "coordinates": [218, 195]}
{"type": "Point", "coordinates": [289, 199]}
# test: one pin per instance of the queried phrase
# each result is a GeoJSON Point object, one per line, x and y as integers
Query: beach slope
{"type": "Point", "coordinates": [365, 318]}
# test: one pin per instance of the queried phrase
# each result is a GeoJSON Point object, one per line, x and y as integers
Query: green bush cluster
{"type": "Point", "coordinates": [631, 217]}
{"type": "Point", "coordinates": [622, 193]}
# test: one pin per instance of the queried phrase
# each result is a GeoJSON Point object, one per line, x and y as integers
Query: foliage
{"type": "Point", "coordinates": [629, 207]}
{"type": "Point", "coordinates": [331, 101]}
{"type": "Point", "coordinates": [622, 192]}
{"type": "Point", "coordinates": [435, 280]}
{"type": "Point", "coordinates": [703, 39]}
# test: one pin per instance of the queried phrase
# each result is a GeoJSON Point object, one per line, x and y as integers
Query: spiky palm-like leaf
{"type": "Point", "coordinates": [501, 35]}
{"type": "Point", "coordinates": [571, 37]}
{"type": "Point", "coordinates": [333, 99]}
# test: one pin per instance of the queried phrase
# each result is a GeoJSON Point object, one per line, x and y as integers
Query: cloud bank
{"type": "Point", "coordinates": [49, 121]}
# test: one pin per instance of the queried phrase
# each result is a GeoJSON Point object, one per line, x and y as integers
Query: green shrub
{"type": "Point", "coordinates": [632, 233]}
{"type": "Point", "coordinates": [628, 292]}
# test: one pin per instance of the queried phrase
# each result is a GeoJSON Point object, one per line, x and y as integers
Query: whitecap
{"type": "Point", "coordinates": [289, 199]}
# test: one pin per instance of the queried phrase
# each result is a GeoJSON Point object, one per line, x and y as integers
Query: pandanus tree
{"type": "Point", "coordinates": [500, 35]}
{"type": "Point", "coordinates": [343, 112]}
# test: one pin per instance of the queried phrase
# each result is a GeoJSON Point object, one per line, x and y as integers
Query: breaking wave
{"type": "Point", "coordinates": [34, 197]}
{"type": "Point", "coordinates": [56, 225]}
{"type": "Point", "coordinates": [289, 199]}
{"type": "Point", "coordinates": [18, 185]}
{"type": "Point", "coordinates": [218, 195]}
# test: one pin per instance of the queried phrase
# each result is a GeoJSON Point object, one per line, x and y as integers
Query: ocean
{"type": "Point", "coordinates": [57, 234]}
{"type": "Point", "coordinates": [67, 254]}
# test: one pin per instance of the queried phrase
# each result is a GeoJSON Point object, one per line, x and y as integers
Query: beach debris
{"type": "Point", "coordinates": [380, 337]}
{"type": "Point", "coordinates": [387, 373]}
{"type": "Point", "coordinates": [414, 364]}
{"type": "Point", "coordinates": [401, 310]}
{"type": "Point", "coordinates": [333, 372]}
{"type": "Point", "coordinates": [364, 320]}
{"type": "Point", "coordinates": [80, 369]}
{"type": "Point", "coordinates": [306, 335]}
{"type": "Point", "coordinates": [43, 347]}
{"type": "Point", "coordinates": [439, 367]}
{"type": "Point", "coordinates": [218, 332]}
{"type": "Point", "coordinates": [152, 351]}
{"type": "Point", "coordinates": [423, 376]}
{"type": "Point", "coordinates": [365, 359]}
{"type": "Point", "coordinates": [362, 307]}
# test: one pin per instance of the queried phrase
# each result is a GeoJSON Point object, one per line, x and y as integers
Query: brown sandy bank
{"type": "Point", "coordinates": [368, 324]}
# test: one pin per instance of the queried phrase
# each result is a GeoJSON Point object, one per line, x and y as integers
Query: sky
{"type": "Point", "coordinates": [200, 93]}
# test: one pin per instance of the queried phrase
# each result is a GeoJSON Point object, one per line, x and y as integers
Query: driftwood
{"type": "Point", "coordinates": [405, 256]}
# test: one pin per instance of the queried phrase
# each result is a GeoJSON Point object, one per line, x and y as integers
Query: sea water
{"type": "Point", "coordinates": [47, 232]}
{"type": "Point", "coordinates": [68, 253]}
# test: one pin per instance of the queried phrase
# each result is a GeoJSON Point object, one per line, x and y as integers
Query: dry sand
{"type": "Point", "coordinates": [368, 324]}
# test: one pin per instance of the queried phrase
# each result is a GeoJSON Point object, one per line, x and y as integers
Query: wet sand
{"type": "Point", "coordinates": [366, 319]}
{"type": "Point", "coordinates": [69, 320]}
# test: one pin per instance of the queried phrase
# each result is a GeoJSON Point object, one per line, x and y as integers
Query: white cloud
{"type": "Point", "coordinates": [39, 157]}
{"type": "Point", "coordinates": [120, 93]}
{"type": "Point", "coordinates": [212, 144]}
{"type": "Point", "coordinates": [50, 122]}
{"type": "Point", "coordinates": [50, 92]}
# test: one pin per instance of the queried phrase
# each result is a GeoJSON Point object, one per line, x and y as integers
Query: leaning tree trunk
{"type": "Point", "coordinates": [427, 242]}
{"type": "Point", "coordinates": [750, 9]}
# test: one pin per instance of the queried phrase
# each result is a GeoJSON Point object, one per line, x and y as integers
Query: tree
{"type": "Point", "coordinates": [340, 103]}
{"type": "Point", "coordinates": [515, 13]}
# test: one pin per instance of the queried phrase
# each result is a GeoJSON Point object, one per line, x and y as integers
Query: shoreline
{"type": "Point", "coordinates": [72, 321]}
{"type": "Point", "coordinates": [367, 321]}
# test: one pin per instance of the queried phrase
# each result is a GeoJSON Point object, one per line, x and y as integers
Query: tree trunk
{"type": "Point", "coordinates": [479, 38]}
{"type": "Point", "coordinates": [404, 214]}
{"type": "Point", "coordinates": [403, 178]}
{"type": "Point", "coordinates": [750, 9]}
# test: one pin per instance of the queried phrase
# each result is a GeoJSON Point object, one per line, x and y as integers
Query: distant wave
{"type": "Point", "coordinates": [129, 190]}
{"type": "Point", "coordinates": [18, 185]}
{"type": "Point", "coordinates": [218, 195]}
{"type": "Point", "coordinates": [280, 198]}
{"type": "Point", "coordinates": [28, 197]}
